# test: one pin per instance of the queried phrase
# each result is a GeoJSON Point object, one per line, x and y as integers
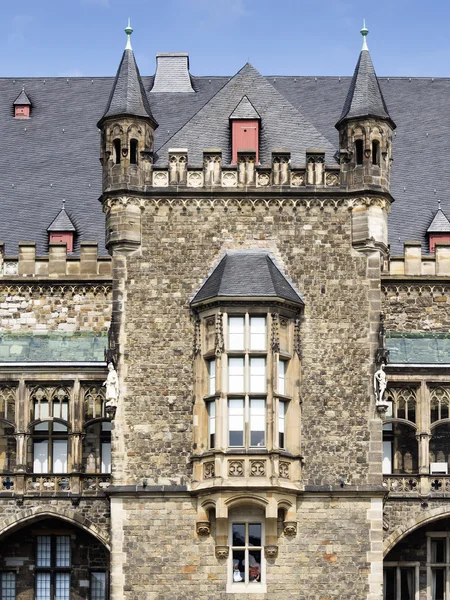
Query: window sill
{"type": "Point", "coordinates": [251, 588]}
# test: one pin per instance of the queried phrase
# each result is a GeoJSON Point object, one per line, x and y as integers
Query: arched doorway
{"type": "Point", "coordinates": [418, 566]}
{"type": "Point", "coordinates": [47, 558]}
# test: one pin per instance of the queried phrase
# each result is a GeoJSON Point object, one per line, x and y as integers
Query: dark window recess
{"type": "Point", "coordinates": [133, 152]}
{"type": "Point", "coordinates": [116, 144]}
{"type": "Point", "coordinates": [376, 152]}
{"type": "Point", "coordinates": [359, 152]}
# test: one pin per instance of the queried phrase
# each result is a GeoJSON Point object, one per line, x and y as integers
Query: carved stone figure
{"type": "Point", "coordinates": [112, 387]}
{"type": "Point", "coordinates": [379, 384]}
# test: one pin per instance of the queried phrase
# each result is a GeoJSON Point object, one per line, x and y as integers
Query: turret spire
{"type": "Point", "coordinates": [364, 32]}
{"type": "Point", "coordinates": [128, 31]}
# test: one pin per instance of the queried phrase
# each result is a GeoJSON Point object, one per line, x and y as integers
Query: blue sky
{"type": "Point", "coordinates": [296, 37]}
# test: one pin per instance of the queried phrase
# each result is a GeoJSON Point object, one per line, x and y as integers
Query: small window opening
{"type": "Point", "coordinates": [376, 152]}
{"type": "Point", "coordinates": [133, 152]}
{"type": "Point", "coordinates": [116, 144]}
{"type": "Point", "coordinates": [359, 152]}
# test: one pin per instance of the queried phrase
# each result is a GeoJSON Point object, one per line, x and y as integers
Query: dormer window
{"type": "Point", "coordinates": [244, 129]}
{"type": "Point", "coordinates": [62, 230]}
{"type": "Point", "coordinates": [22, 106]}
{"type": "Point", "coordinates": [439, 230]}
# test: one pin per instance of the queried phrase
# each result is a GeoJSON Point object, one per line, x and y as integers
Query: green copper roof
{"type": "Point", "coordinates": [418, 347]}
{"type": "Point", "coordinates": [53, 346]}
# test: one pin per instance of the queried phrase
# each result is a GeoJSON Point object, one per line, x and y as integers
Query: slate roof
{"type": "Point", "coordinates": [22, 99]}
{"type": "Point", "coordinates": [128, 95]}
{"type": "Point", "coordinates": [62, 222]}
{"type": "Point", "coordinates": [440, 223]}
{"type": "Point", "coordinates": [249, 274]}
{"type": "Point", "coordinates": [364, 97]}
{"type": "Point", "coordinates": [54, 155]}
{"type": "Point", "coordinates": [244, 110]}
{"type": "Point", "coordinates": [172, 74]}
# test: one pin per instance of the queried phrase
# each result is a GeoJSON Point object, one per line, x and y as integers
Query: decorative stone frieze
{"type": "Point", "coordinates": [257, 468]}
{"type": "Point", "coordinates": [235, 468]}
{"type": "Point", "coordinates": [209, 470]}
{"type": "Point", "coordinates": [284, 470]}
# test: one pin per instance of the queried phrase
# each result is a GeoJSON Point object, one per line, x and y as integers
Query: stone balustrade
{"type": "Point", "coordinates": [52, 484]}
{"type": "Point", "coordinates": [56, 264]}
{"type": "Point", "coordinates": [422, 485]}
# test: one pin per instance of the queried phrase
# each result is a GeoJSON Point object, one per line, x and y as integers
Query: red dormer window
{"type": "Point", "coordinates": [21, 111]}
{"type": "Point", "coordinates": [438, 238]}
{"type": "Point", "coordinates": [67, 237]}
{"type": "Point", "coordinates": [245, 137]}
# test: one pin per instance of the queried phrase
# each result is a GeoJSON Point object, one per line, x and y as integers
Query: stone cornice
{"type": "Point", "coordinates": [212, 201]}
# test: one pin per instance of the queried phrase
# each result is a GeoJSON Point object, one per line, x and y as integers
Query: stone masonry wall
{"type": "Point", "coordinates": [328, 559]}
{"type": "Point", "coordinates": [179, 248]}
{"type": "Point", "coordinates": [31, 308]}
{"type": "Point", "coordinates": [416, 307]}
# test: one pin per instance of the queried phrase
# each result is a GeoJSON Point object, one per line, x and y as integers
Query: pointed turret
{"type": "Point", "coordinates": [127, 127]}
{"type": "Point", "coordinates": [365, 129]}
{"type": "Point", "coordinates": [128, 97]}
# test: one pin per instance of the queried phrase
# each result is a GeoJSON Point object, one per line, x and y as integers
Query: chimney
{"type": "Point", "coordinates": [172, 72]}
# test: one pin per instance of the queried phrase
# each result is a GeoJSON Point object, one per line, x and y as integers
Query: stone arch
{"type": "Point", "coordinates": [27, 515]}
{"type": "Point", "coordinates": [412, 524]}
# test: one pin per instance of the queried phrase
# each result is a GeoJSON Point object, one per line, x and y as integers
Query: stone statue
{"type": "Point", "coordinates": [379, 384]}
{"type": "Point", "coordinates": [112, 387]}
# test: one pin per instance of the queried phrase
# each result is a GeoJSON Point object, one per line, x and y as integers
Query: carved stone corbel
{"type": "Point", "coordinates": [290, 528]}
{"type": "Point", "coordinates": [203, 528]}
{"type": "Point", "coordinates": [222, 552]}
{"type": "Point", "coordinates": [271, 551]}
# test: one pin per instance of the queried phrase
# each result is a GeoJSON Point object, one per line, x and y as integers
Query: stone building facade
{"type": "Point", "coordinates": [195, 414]}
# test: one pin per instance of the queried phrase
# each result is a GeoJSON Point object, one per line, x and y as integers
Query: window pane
{"type": "Point", "coordinates": [438, 550]}
{"type": "Point", "coordinates": [8, 586]}
{"type": "Point", "coordinates": [41, 411]}
{"type": "Point", "coordinates": [212, 377]}
{"type": "Point", "coordinates": [387, 458]}
{"type": "Point", "coordinates": [437, 584]}
{"type": "Point", "coordinates": [281, 377]}
{"type": "Point", "coordinates": [407, 584]}
{"type": "Point", "coordinates": [254, 565]}
{"type": "Point", "coordinates": [236, 333]}
{"type": "Point", "coordinates": [236, 422]}
{"type": "Point", "coordinates": [106, 426]}
{"type": "Point", "coordinates": [235, 375]}
{"type": "Point", "coordinates": [62, 586]}
{"type": "Point", "coordinates": [43, 586]}
{"type": "Point", "coordinates": [212, 423]}
{"type": "Point", "coordinates": [281, 417]}
{"type": "Point", "coordinates": [40, 457]}
{"type": "Point", "coordinates": [257, 422]}
{"type": "Point", "coordinates": [258, 333]}
{"type": "Point", "coordinates": [63, 551]}
{"type": "Point", "coordinates": [254, 534]}
{"type": "Point", "coordinates": [60, 456]}
{"type": "Point", "coordinates": [238, 530]}
{"type": "Point", "coordinates": [98, 585]}
{"type": "Point", "coordinates": [60, 410]}
{"type": "Point", "coordinates": [257, 375]}
{"type": "Point", "coordinates": [106, 457]}
{"type": "Point", "coordinates": [390, 583]}
{"type": "Point", "coordinates": [238, 566]}
{"type": "Point", "coordinates": [43, 551]}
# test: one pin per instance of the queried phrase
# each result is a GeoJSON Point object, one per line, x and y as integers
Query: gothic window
{"type": "Point", "coordinates": [50, 436]}
{"type": "Point", "coordinates": [8, 585]}
{"type": "Point", "coordinates": [359, 151]}
{"type": "Point", "coordinates": [440, 449]}
{"type": "Point", "coordinates": [133, 151]}
{"type": "Point", "coordinates": [7, 439]}
{"type": "Point", "coordinates": [97, 447]}
{"type": "Point", "coordinates": [53, 562]}
{"type": "Point", "coordinates": [94, 402]}
{"type": "Point", "coordinates": [376, 153]}
{"type": "Point", "coordinates": [400, 581]}
{"type": "Point", "coordinates": [439, 403]}
{"type": "Point", "coordinates": [400, 447]}
{"type": "Point", "coordinates": [117, 151]}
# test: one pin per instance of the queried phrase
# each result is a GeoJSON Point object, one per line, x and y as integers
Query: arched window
{"type": "Point", "coordinates": [359, 152]}
{"type": "Point", "coordinates": [403, 403]}
{"type": "Point", "coordinates": [439, 403]}
{"type": "Point", "coordinates": [133, 151]}
{"type": "Point", "coordinates": [400, 449]}
{"type": "Point", "coordinates": [246, 557]}
{"type": "Point", "coordinates": [440, 449]}
{"type": "Point", "coordinates": [117, 157]}
{"type": "Point", "coordinates": [376, 152]}
{"type": "Point", "coordinates": [97, 447]}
